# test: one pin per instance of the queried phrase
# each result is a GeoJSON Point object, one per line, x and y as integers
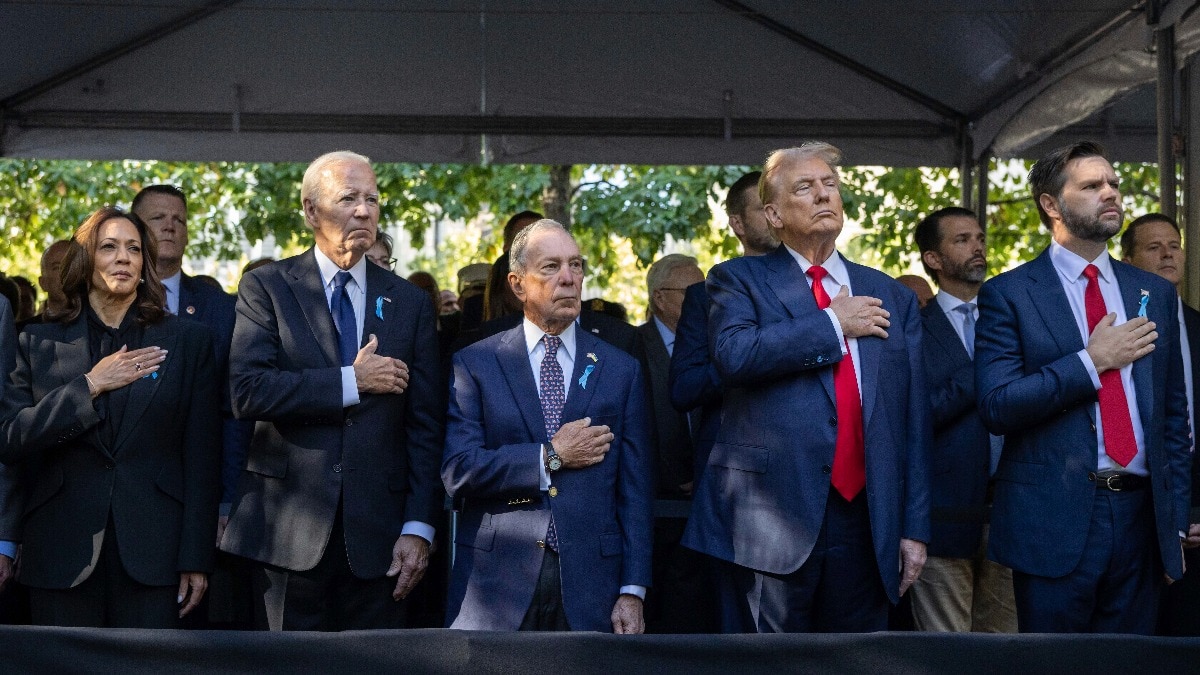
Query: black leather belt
{"type": "Point", "coordinates": [1118, 482]}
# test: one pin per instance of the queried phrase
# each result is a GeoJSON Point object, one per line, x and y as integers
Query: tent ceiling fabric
{"type": "Point", "coordinates": [568, 81]}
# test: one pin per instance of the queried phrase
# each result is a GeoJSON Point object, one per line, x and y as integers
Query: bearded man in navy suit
{"type": "Point", "coordinates": [816, 491]}
{"type": "Point", "coordinates": [548, 458]}
{"type": "Point", "coordinates": [1077, 364]}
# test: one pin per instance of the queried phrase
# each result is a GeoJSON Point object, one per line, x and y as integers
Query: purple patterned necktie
{"type": "Point", "coordinates": [553, 397]}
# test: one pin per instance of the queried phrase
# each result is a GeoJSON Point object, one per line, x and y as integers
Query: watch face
{"type": "Point", "coordinates": [555, 463]}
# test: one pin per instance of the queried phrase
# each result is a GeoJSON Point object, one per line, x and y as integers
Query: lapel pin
{"type": "Point", "coordinates": [1143, 302]}
{"type": "Point", "coordinates": [586, 372]}
{"type": "Point", "coordinates": [592, 356]}
{"type": "Point", "coordinates": [191, 309]}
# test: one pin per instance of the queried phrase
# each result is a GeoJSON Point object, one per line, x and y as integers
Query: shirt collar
{"type": "Point", "coordinates": [835, 267]}
{"type": "Point", "coordinates": [949, 303]}
{"type": "Point", "coordinates": [328, 269]}
{"type": "Point", "coordinates": [1070, 265]}
{"type": "Point", "coordinates": [667, 335]}
{"type": "Point", "coordinates": [172, 282]}
{"type": "Point", "coordinates": [533, 336]}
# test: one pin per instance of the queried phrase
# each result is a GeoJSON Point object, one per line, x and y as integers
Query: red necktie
{"type": "Point", "coordinates": [849, 462]}
{"type": "Point", "coordinates": [1119, 442]}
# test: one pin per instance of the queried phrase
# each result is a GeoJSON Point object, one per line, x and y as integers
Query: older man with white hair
{"type": "Point", "coordinates": [337, 360]}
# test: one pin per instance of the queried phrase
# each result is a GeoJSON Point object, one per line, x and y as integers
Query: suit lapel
{"type": "Point", "coordinates": [187, 298]}
{"type": "Point", "coordinates": [868, 347]}
{"type": "Point", "coordinates": [379, 305]}
{"type": "Point", "coordinates": [791, 288]}
{"type": "Point", "coordinates": [1143, 381]}
{"type": "Point", "coordinates": [1048, 297]}
{"type": "Point", "coordinates": [305, 278]}
{"type": "Point", "coordinates": [141, 391]}
{"type": "Point", "coordinates": [72, 355]}
{"type": "Point", "coordinates": [938, 326]}
{"type": "Point", "coordinates": [579, 397]}
{"type": "Point", "coordinates": [514, 363]}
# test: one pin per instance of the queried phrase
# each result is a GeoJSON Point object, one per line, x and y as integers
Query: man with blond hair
{"type": "Point", "coordinates": [816, 492]}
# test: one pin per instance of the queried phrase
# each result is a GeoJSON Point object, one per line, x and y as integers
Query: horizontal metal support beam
{"type": "Point", "coordinates": [454, 125]}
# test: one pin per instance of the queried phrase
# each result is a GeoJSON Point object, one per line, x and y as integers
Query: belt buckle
{"type": "Point", "coordinates": [1113, 482]}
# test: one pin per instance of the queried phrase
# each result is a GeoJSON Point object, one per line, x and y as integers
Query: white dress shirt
{"type": "Point", "coordinates": [356, 288]}
{"type": "Point", "coordinates": [1070, 273]}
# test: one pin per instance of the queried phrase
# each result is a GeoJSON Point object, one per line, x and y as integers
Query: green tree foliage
{"type": "Point", "coordinates": [622, 215]}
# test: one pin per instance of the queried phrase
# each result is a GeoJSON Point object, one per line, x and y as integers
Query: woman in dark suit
{"type": "Point", "coordinates": [117, 439]}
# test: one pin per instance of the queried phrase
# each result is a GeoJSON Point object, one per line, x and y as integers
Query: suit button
{"type": "Point", "coordinates": [833, 421]}
{"type": "Point", "coordinates": [349, 422]}
{"type": "Point", "coordinates": [826, 469]}
{"type": "Point", "coordinates": [553, 491]}
{"type": "Point", "coordinates": [1093, 428]}
{"type": "Point", "coordinates": [337, 468]}
{"type": "Point", "coordinates": [541, 544]}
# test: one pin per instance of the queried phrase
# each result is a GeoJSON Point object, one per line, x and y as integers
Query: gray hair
{"type": "Point", "coordinates": [516, 255]}
{"type": "Point", "coordinates": [310, 187]}
{"type": "Point", "coordinates": [384, 239]}
{"type": "Point", "coordinates": [664, 267]}
{"type": "Point", "coordinates": [819, 149]}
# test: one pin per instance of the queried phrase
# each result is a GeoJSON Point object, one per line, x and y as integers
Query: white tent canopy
{"type": "Point", "coordinates": [935, 82]}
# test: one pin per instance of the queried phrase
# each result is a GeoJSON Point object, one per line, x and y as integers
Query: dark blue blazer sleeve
{"type": "Point", "coordinates": [694, 380]}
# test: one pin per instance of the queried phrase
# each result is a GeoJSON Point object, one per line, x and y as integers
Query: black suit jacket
{"type": "Point", "coordinates": [159, 479]}
{"type": "Point", "coordinates": [1191, 320]}
{"type": "Point", "coordinates": [673, 443]}
{"type": "Point", "coordinates": [378, 459]}
{"type": "Point", "coordinates": [10, 514]}
{"type": "Point", "coordinates": [961, 451]}
{"type": "Point", "coordinates": [215, 309]}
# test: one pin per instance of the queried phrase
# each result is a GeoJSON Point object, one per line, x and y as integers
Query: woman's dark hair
{"type": "Point", "coordinates": [426, 282]}
{"type": "Point", "coordinates": [78, 266]}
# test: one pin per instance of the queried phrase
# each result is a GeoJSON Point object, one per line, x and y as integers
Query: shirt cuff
{"type": "Point", "coordinates": [1090, 367]}
{"type": "Point", "coordinates": [837, 328]}
{"type": "Point", "coordinates": [418, 528]}
{"type": "Point", "coordinates": [545, 475]}
{"type": "Point", "coordinates": [349, 387]}
{"type": "Point", "coordinates": [639, 591]}
{"type": "Point", "coordinates": [8, 548]}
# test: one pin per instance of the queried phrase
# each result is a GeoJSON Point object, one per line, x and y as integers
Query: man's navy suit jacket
{"type": "Point", "coordinates": [376, 461]}
{"type": "Point", "coordinates": [695, 382]}
{"type": "Point", "coordinates": [602, 514]}
{"type": "Point", "coordinates": [960, 455]}
{"type": "Point", "coordinates": [761, 500]}
{"type": "Point", "coordinates": [1034, 389]}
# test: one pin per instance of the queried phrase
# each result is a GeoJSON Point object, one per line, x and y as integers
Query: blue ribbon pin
{"type": "Point", "coordinates": [584, 378]}
{"type": "Point", "coordinates": [1144, 301]}
{"type": "Point", "coordinates": [379, 307]}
